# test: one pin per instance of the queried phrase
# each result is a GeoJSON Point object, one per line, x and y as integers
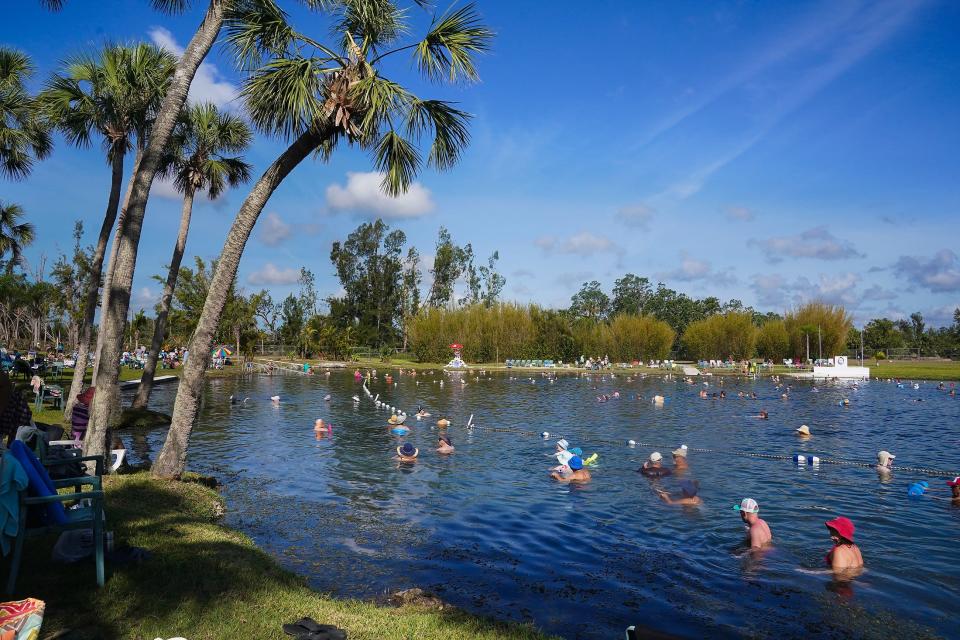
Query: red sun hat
{"type": "Point", "coordinates": [842, 526]}
{"type": "Point", "coordinates": [954, 482]}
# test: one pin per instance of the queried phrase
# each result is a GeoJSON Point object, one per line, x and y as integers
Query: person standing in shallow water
{"type": "Point", "coordinates": [845, 555]}
{"type": "Point", "coordinates": [757, 530]}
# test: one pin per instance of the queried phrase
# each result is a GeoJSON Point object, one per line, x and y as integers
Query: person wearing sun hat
{"type": "Point", "coordinates": [680, 458]}
{"type": "Point", "coordinates": [845, 554]}
{"type": "Point", "coordinates": [757, 529]}
{"type": "Point", "coordinates": [803, 431]}
{"type": "Point", "coordinates": [443, 423]}
{"type": "Point", "coordinates": [954, 491]}
{"type": "Point", "coordinates": [407, 452]}
{"type": "Point", "coordinates": [885, 462]}
{"type": "Point", "coordinates": [688, 494]}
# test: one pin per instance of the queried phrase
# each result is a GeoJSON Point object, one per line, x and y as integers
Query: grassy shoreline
{"type": "Point", "coordinates": [205, 581]}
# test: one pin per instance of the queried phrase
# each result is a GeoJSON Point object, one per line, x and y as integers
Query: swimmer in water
{"type": "Point", "coordinates": [578, 473]}
{"type": "Point", "coordinates": [803, 431]}
{"type": "Point", "coordinates": [885, 462]}
{"type": "Point", "coordinates": [320, 427]}
{"type": "Point", "coordinates": [764, 415]}
{"type": "Point", "coordinates": [407, 453]}
{"type": "Point", "coordinates": [421, 413]}
{"type": "Point", "coordinates": [845, 555]}
{"type": "Point", "coordinates": [954, 491]}
{"type": "Point", "coordinates": [444, 445]}
{"type": "Point", "coordinates": [688, 494]}
{"type": "Point", "coordinates": [757, 529]}
{"type": "Point", "coordinates": [653, 467]}
{"type": "Point", "coordinates": [680, 458]}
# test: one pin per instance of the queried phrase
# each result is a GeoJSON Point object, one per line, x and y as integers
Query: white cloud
{"type": "Point", "coordinates": [774, 290]}
{"type": "Point", "coordinates": [815, 243]}
{"type": "Point", "coordinates": [523, 273]}
{"type": "Point", "coordinates": [636, 215]}
{"type": "Point", "coordinates": [584, 244]}
{"type": "Point", "coordinates": [692, 269]}
{"type": "Point", "coordinates": [273, 230]}
{"type": "Point", "coordinates": [270, 274]}
{"type": "Point", "coordinates": [209, 84]}
{"type": "Point", "coordinates": [145, 298]}
{"type": "Point", "coordinates": [362, 195]}
{"type": "Point", "coordinates": [940, 273]}
{"type": "Point", "coordinates": [164, 188]}
{"type": "Point", "coordinates": [743, 214]}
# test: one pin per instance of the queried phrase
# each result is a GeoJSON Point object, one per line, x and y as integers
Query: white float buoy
{"type": "Point", "coordinates": [631, 443]}
{"type": "Point", "coordinates": [545, 435]}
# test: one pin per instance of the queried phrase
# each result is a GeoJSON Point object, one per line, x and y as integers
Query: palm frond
{"type": "Point", "coordinates": [449, 47]}
{"type": "Point", "coordinates": [379, 99]}
{"type": "Point", "coordinates": [172, 7]}
{"type": "Point", "coordinates": [399, 161]}
{"type": "Point", "coordinates": [282, 96]}
{"type": "Point", "coordinates": [257, 30]}
{"type": "Point", "coordinates": [449, 127]}
{"type": "Point", "coordinates": [374, 22]}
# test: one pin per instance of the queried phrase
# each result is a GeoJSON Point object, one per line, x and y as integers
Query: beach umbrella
{"type": "Point", "coordinates": [221, 352]}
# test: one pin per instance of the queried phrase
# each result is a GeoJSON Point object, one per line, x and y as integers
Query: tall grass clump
{"type": "Point", "coordinates": [832, 321]}
{"type": "Point", "coordinates": [730, 335]}
{"type": "Point", "coordinates": [773, 341]}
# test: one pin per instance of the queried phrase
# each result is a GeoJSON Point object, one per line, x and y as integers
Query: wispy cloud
{"type": "Point", "coordinates": [273, 231]}
{"type": "Point", "coordinates": [584, 244]}
{"type": "Point", "coordinates": [817, 243]}
{"type": "Point", "coordinates": [743, 214]}
{"type": "Point", "coordinates": [691, 270]}
{"type": "Point", "coordinates": [851, 33]}
{"type": "Point", "coordinates": [939, 273]}
{"type": "Point", "coordinates": [637, 215]}
{"type": "Point", "coordinates": [270, 274]}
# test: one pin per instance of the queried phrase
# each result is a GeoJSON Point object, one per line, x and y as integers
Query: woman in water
{"type": "Point", "coordinates": [845, 555]}
{"type": "Point", "coordinates": [407, 453]}
{"type": "Point", "coordinates": [444, 445]}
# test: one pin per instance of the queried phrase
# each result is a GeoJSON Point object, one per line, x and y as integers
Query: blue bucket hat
{"type": "Point", "coordinates": [407, 450]}
{"type": "Point", "coordinates": [575, 463]}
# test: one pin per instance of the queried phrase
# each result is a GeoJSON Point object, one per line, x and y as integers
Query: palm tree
{"type": "Point", "coordinates": [113, 95]}
{"type": "Point", "coordinates": [197, 162]}
{"type": "Point", "coordinates": [137, 326]}
{"type": "Point", "coordinates": [23, 134]}
{"type": "Point", "coordinates": [319, 96]}
{"type": "Point", "coordinates": [262, 22]}
{"type": "Point", "coordinates": [14, 235]}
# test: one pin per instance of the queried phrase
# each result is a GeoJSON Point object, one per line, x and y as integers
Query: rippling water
{"type": "Point", "coordinates": [489, 531]}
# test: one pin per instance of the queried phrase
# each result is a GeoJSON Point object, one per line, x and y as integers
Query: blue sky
{"type": "Point", "coordinates": [772, 152]}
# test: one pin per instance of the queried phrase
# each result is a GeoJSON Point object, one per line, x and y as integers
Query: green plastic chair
{"type": "Point", "coordinates": [86, 517]}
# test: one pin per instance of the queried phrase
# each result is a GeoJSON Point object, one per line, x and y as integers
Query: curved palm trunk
{"type": "Point", "coordinates": [107, 398]}
{"type": "Point", "coordinates": [96, 269]}
{"type": "Point", "coordinates": [108, 275]}
{"type": "Point", "coordinates": [160, 326]}
{"type": "Point", "coordinates": [173, 458]}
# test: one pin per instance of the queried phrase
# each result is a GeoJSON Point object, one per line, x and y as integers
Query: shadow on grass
{"type": "Point", "coordinates": [206, 581]}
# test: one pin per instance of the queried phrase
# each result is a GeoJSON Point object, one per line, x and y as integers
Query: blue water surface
{"type": "Point", "coordinates": [487, 530]}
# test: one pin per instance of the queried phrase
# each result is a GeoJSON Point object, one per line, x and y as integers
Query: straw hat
{"type": "Point", "coordinates": [443, 422]}
{"type": "Point", "coordinates": [803, 430]}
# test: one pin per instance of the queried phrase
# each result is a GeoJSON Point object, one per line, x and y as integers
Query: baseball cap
{"type": "Point", "coordinates": [656, 457]}
{"type": "Point", "coordinates": [749, 505]}
{"type": "Point", "coordinates": [884, 457]}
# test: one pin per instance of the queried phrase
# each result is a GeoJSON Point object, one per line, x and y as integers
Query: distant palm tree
{"type": "Point", "coordinates": [137, 326]}
{"type": "Point", "coordinates": [318, 96]}
{"type": "Point", "coordinates": [112, 95]}
{"type": "Point", "coordinates": [24, 135]}
{"type": "Point", "coordinates": [196, 162]}
{"type": "Point", "coordinates": [14, 235]}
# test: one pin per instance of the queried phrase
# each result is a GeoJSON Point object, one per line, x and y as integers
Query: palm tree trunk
{"type": "Point", "coordinates": [93, 287]}
{"type": "Point", "coordinates": [107, 398]}
{"type": "Point", "coordinates": [172, 460]}
{"type": "Point", "coordinates": [108, 277]}
{"type": "Point", "coordinates": [160, 326]}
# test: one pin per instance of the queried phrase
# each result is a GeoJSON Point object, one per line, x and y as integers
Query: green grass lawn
{"type": "Point", "coordinates": [207, 582]}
